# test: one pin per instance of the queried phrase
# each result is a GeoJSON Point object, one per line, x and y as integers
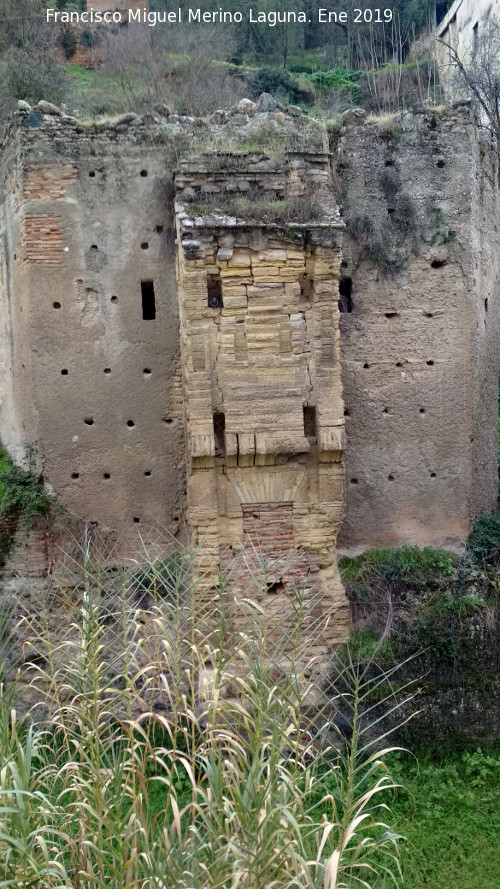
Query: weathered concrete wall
{"type": "Point", "coordinates": [262, 394]}
{"type": "Point", "coordinates": [86, 218]}
{"type": "Point", "coordinates": [420, 347]}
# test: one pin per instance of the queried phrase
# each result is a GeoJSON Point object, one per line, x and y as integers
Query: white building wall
{"type": "Point", "coordinates": [460, 29]}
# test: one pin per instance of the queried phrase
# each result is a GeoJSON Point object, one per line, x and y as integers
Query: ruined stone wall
{"type": "Point", "coordinates": [262, 395]}
{"type": "Point", "coordinates": [420, 345]}
{"type": "Point", "coordinates": [90, 320]}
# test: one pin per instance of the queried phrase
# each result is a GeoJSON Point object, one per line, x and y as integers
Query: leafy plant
{"type": "Point", "coordinates": [280, 83]}
{"type": "Point", "coordinates": [483, 543]}
{"type": "Point", "coordinates": [22, 492]}
{"type": "Point", "coordinates": [68, 42]}
{"type": "Point", "coordinates": [338, 79]}
{"type": "Point", "coordinates": [182, 749]}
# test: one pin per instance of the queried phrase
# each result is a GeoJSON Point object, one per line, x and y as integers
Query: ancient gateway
{"type": "Point", "coordinates": [260, 346]}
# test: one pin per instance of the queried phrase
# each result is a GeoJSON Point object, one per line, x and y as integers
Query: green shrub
{"type": "Point", "coordinates": [68, 42]}
{"type": "Point", "coordinates": [281, 84]}
{"type": "Point", "coordinates": [407, 563]}
{"type": "Point", "coordinates": [483, 543]}
{"type": "Point", "coordinates": [338, 79]}
{"type": "Point", "coordinates": [88, 38]}
{"type": "Point", "coordinates": [29, 81]}
{"type": "Point", "coordinates": [22, 494]}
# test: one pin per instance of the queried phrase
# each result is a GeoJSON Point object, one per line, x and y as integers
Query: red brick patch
{"type": "Point", "coordinates": [41, 239]}
{"type": "Point", "coordinates": [48, 183]}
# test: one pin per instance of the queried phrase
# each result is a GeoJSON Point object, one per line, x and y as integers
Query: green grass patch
{"type": "Point", "coordinates": [408, 563]}
{"type": "Point", "coordinates": [451, 819]}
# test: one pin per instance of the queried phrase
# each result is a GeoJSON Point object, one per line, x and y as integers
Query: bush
{"type": "Point", "coordinates": [280, 83]}
{"type": "Point", "coordinates": [30, 81]}
{"type": "Point", "coordinates": [483, 543]}
{"type": "Point", "coordinates": [21, 493]}
{"type": "Point", "coordinates": [68, 42]}
{"type": "Point", "coordinates": [338, 79]}
{"type": "Point", "coordinates": [409, 564]}
{"type": "Point", "coordinates": [88, 38]}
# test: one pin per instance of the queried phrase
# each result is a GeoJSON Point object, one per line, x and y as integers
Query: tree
{"type": "Point", "coordinates": [475, 72]}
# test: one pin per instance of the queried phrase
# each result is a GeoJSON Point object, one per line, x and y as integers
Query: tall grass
{"type": "Point", "coordinates": [186, 742]}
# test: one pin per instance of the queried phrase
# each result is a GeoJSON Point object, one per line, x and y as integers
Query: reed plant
{"type": "Point", "coordinates": [186, 740]}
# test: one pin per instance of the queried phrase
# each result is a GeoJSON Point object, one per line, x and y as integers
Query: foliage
{"type": "Point", "coordinates": [255, 208]}
{"type": "Point", "coordinates": [88, 38]}
{"type": "Point", "coordinates": [338, 79]}
{"type": "Point", "coordinates": [451, 819]}
{"type": "Point", "coordinates": [32, 81]}
{"type": "Point", "coordinates": [484, 540]}
{"type": "Point", "coordinates": [280, 83]}
{"type": "Point", "coordinates": [180, 750]}
{"type": "Point", "coordinates": [22, 493]}
{"type": "Point", "coordinates": [407, 563]}
{"type": "Point", "coordinates": [68, 42]}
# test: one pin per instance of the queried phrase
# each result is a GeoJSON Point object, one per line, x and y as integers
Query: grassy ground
{"type": "Point", "coordinates": [451, 821]}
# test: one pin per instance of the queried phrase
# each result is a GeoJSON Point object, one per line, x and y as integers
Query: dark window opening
{"type": "Point", "coordinates": [486, 305]}
{"type": "Point", "coordinates": [107, 370]}
{"type": "Point", "coordinates": [147, 372]}
{"type": "Point", "coordinates": [114, 299]}
{"type": "Point", "coordinates": [148, 301]}
{"type": "Point", "coordinates": [158, 229]}
{"type": "Point", "coordinates": [91, 174]}
{"type": "Point", "coordinates": [438, 263]}
{"type": "Point", "coordinates": [310, 421]}
{"type": "Point", "coordinates": [167, 420]}
{"type": "Point", "coordinates": [305, 288]}
{"type": "Point", "coordinates": [56, 305]}
{"type": "Point", "coordinates": [89, 421]}
{"type": "Point", "coordinates": [148, 472]}
{"type": "Point", "coordinates": [391, 478]}
{"type": "Point", "coordinates": [422, 410]}
{"type": "Point", "coordinates": [389, 163]}
{"type": "Point", "coordinates": [344, 264]}
{"type": "Point", "coordinates": [106, 475]}
{"type": "Point", "coordinates": [214, 293]}
{"type": "Point", "coordinates": [345, 292]}
{"type": "Point", "coordinates": [64, 372]}
{"type": "Point", "coordinates": [347, 412]}
{"type": "Point", "coordinates": [354, 481]}
{"type": "Point", "coordinates": [94, 247]}
{"type": "Point", "coordinates": [136, 520]}
{"type": "Point", "coordinates": [144, 245]}
{"type": "Point", "coordinates": [433, 475]}
{"type": "Point", "coordinates": [386, 410]}
{"type": "Point", "coordinates": [366, 366]}
{"type": "Point", "coordinates": [399, 364]}
{"type": "Point", "coordinates": [392, 314]}
{"type": "Point", "coordinates": [144, 173]}
{"type": "Point", "coordinates": [130, 423]}
{"type": "Point", "coordinates": [441, 164]}
{"type": "Point", "coordinates": [75, 475]}
{"type": "Point", "coordinates": [275, 588]}
{"type": "Point", "coordinates": [430, 363]}
{"type": "Point", "coordinates": [219, 427]}
{"type": "Point", "coordinates": [429, 315]}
